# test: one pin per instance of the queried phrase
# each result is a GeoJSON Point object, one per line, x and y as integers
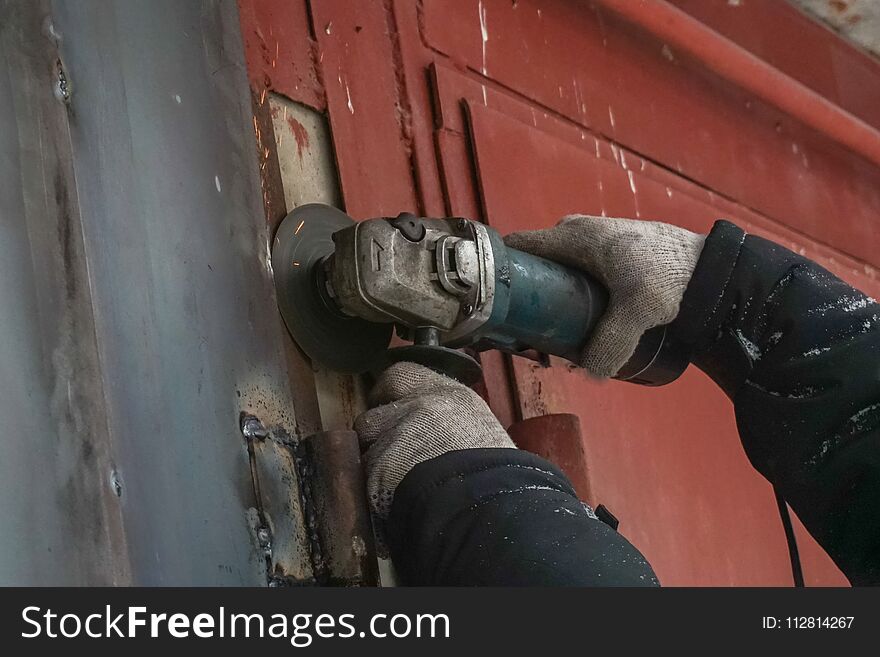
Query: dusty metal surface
{"type": "Point", "coordinates": [335, 492]}
{"type": "Point", "coordinates": [173, 330]}
{"type": "Point", "coordinates": [61, 494]}
{"type": "Point", "coordinates": [278, 519]}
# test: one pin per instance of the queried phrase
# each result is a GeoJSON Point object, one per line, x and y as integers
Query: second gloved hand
{"type": "Point", "coordinates": [419, 414]}
{"type": "Point", "coordinates": [645, 265]}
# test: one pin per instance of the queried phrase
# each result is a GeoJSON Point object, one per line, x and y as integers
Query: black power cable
{"type": "Point", "coordinates": [797, 572]}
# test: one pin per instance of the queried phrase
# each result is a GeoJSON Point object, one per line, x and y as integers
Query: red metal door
{"type": "Point", "coordinates": [519, 111]}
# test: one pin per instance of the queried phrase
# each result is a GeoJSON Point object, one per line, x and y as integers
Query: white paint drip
{"type": "Point", "coordinates": [484, 37]}
{"type": "Point", "coordinates": [632, 182]}
{"type": "Point", "coordinates": [484, 34]}
{"type": "Point", "coordinates": [615, 153]}
{"type": "Point", "coordinates": [348, 97]}
{"type": "Point", "coordinates": [582, 106]}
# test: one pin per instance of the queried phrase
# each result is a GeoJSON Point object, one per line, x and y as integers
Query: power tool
{"type": "Point", "coordinates": [445, 284]}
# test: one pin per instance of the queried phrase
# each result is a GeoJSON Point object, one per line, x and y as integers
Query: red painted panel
{"type": "Point", "coordinates": [679, 480]}
{"type": "Point", "coordinates": [557, 437]}
{"type": "Point", "coordinates": [781, 35]}
{"type": "Point", "coordinates": [357, 62]}
{"type": "Point", "coordinates": [598, 71]}
{"type": "Point", "coordinates": [279, 49]}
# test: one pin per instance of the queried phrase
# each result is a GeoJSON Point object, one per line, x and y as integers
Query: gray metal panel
{"type": "Point", "coordinates": [181, 307]}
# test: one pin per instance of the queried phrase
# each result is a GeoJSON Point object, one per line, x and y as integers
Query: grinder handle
{"type": "Point", "coordinates": [554, 308]}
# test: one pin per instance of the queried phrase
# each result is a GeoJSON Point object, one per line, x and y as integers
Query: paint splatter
{"type": "Point", "coordinates": [632, 182]}
{"type": "Point", "coordinates": [348, 99]}
{"type": "Point", "coordinates": [300, 134]}
{"type": "Point", "coordinates": [484, 36]}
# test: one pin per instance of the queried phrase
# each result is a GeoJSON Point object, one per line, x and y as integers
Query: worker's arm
{"type": "Point", "coordinates": [458, 504]}
{"type": "Point", "coordinates": [795, 348]}
{"type": "Point", "coordinates": [798, 351]}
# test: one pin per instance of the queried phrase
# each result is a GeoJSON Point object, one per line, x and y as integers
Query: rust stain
{"type": "Point", "coordinates": [300, 134]}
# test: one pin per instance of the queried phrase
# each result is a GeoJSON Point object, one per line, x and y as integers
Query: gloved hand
{"type": "Point", "coordinates": [419, 414]}
{"type": "Point", "coordinates": [645, 265]}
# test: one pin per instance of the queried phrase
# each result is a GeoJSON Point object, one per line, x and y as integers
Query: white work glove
{"type": "Point", "coordinates": [419, 414]}
{"type": "Point", "coordinates": [645, 265]}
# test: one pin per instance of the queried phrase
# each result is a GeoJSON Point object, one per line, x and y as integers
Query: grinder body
{"type": "Point", "coordinates": [452, 283]}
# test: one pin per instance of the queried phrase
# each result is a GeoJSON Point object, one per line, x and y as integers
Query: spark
{"type": "Point", "coordinates": [298, 228]}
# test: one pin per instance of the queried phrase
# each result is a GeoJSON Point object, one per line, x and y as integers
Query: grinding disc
{"type": "Point", "coordinates": [443, 360]}
{"type": "Point", "coordinates": [327, 336]}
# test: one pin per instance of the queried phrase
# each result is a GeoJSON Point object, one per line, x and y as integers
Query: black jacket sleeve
{"type": "Point", "coordinates": [503, 517]}
{"type": "Point", "coordinates": [798, 352]}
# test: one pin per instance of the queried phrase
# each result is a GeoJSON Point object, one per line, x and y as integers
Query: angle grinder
{"type": "Point", "coordinates": [445, 284]}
